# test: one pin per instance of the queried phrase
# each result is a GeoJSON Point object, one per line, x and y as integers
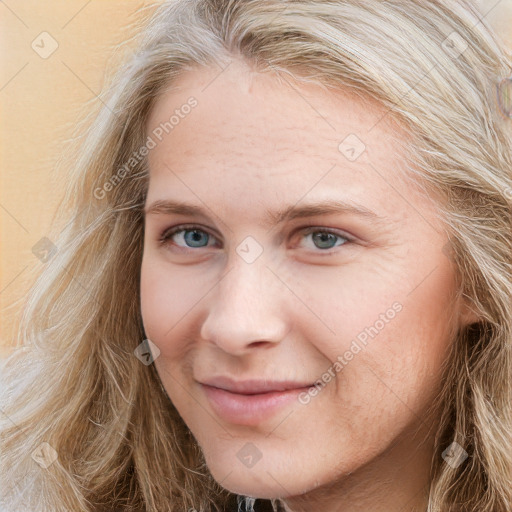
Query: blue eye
{"type": "Point", "coordinates": [189, 234]}
{"type": "Point", "coordinates": [193, 237]}
{"type": "Point", "coordinates": [324, 239]}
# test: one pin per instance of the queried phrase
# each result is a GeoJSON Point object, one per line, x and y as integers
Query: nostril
{"type": "Point", "coordinates": [258, 343]}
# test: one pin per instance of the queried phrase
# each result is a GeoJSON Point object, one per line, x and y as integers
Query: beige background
{"type": "Point", "coordinates": [41, 99]}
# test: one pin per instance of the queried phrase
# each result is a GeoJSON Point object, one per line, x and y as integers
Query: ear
{"type": "Point", "coordinates": [467, 313]}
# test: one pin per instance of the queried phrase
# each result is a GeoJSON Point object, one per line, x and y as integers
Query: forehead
{"type": "Point", "coordinates": [268, 108]}
{"type": "Point", "coordinates": [262, 139]}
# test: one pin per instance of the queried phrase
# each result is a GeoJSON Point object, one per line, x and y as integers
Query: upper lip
{"type": "Point", "coordinates": [253, 386]}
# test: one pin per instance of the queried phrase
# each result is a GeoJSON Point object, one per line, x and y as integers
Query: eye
{"type": "Point", "coordinates": [325, 239]}
{"type": "Point", "coordinates": [191, 236]}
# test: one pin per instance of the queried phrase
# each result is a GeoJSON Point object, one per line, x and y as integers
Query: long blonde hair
{"type": "Point", "coordinates": [76, 384]}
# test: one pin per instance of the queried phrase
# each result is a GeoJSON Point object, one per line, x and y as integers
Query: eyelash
{"type": "Point", "coordinates": [168, 233]}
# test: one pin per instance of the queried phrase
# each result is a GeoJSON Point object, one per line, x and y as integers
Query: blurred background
{"type": "Point", "coordinates": [54, 58]}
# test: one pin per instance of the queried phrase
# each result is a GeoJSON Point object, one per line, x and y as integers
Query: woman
{"type": "Point", "coordinates": [286, 280]}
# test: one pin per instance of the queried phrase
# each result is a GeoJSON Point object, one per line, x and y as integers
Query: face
{"type": "Point", "coordinates": [296, 286]}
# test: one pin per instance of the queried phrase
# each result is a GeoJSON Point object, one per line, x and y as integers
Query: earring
{"type": "Point", "coordinates": [504, 94]}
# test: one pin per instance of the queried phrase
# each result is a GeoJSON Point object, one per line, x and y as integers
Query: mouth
{"type": "Point", "coordinates": [252, 401]}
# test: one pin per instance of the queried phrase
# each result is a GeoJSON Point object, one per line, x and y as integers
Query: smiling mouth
{"type": "Point", "coordinates": [251, 402]}
{"type": "Point", "coordinates": [253, 386]}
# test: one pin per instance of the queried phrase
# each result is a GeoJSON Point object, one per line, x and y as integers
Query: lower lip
{"type": "Point", "coordinates": [249, 409]}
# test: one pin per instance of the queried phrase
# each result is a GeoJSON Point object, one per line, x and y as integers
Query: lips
{"type": "Point", "coordinates": [253, 386]}
{"type": "Point", "coordinates": [250, 402]}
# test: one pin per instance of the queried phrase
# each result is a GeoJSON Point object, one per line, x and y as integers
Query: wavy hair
{"type": "Point", "coordinates": [74, 382]}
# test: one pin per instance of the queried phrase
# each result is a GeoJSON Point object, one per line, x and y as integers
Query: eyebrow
{"type": "Point", "coordinates": [288, 213]}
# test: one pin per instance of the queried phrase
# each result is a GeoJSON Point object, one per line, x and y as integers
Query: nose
{"type": "Point", "coordinates": [246, 308]}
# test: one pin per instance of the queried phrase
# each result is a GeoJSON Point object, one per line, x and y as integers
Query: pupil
{"type": "Point", "coordinates": [193, 236]}
{"type": "Point", "coordinates": [323, 239]}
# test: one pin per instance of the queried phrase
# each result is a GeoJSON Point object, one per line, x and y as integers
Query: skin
{"type": "Point", "coordinates": [364, 442]}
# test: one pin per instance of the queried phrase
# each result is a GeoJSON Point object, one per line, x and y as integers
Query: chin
{"type": "Point", "coordinates": [263, 480]}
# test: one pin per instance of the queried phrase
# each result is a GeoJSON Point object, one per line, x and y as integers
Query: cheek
{"type": "Point", "coordinates": [401, 363]}
{"type": "Point", "coordinates": [163, 302]}
{"type": "Point", "coordinates": [172, 300]}
{"type": "Point", "coordinates": [392, 344]}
